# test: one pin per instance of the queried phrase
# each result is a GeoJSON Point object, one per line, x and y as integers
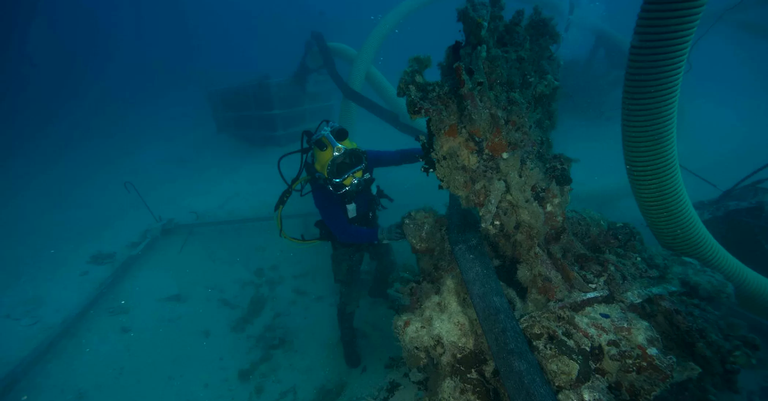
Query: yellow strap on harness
{"type": "Point", "coordinates": [279, 213]}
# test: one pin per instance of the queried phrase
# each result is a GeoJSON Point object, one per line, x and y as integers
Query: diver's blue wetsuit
{"type": "Point", "coordinates": [333, 209]}
{"type": "Point", "coordinates": [353, 234]}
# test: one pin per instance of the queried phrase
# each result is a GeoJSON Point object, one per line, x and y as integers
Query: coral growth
{"type": "Point", "coordinates": [607, 318]}
{"type": "Point", "coordinates": [490, 115]}
{"type": "Point", "coordinates": [440, 334]}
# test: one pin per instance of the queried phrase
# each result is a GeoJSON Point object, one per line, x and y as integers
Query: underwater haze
{"type": "Point", "coordinates": [147, 252]}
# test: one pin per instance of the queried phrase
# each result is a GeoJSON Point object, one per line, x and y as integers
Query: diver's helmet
{"type": "Point", "coordinates": [338, 161]}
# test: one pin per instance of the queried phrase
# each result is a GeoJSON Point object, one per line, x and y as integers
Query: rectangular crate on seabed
{"type": "Point", "coordinates": [272, 111]}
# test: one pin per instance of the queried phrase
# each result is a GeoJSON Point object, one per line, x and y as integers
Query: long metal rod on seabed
{"type": "Point", "coordinates": [67, 326]}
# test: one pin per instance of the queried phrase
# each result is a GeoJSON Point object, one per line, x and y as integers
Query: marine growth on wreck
{"type": "Point", "coordinates": [607, 317]}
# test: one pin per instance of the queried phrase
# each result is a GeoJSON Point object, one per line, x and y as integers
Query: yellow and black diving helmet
{"type": "Point", "coordinates": [338, 161]}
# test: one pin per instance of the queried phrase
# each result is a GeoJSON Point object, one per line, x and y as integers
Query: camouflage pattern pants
{"type": "Point", "coordinates": [347, 260]}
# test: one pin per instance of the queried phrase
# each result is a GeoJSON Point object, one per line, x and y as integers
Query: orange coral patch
{"type": "Point", "coordinates": [496, 145]}
{"type": "Point", "coordinates": [452, 131]}
{"type": "Point", "coordinates": [460, 75]}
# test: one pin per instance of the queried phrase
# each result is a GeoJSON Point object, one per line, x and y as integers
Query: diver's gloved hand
{"type": "Point", "coordinates": [391, 233]}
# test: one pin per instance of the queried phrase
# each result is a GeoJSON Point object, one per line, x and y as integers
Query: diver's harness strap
{"type": "Point", "coordinates": [388, 116]}
{"type": "Point", "coordinates": [295, 182]}
{"type": "Point", "coordinates": [325, 232]}
{"type": "Point", "coordinates": [381, 195]}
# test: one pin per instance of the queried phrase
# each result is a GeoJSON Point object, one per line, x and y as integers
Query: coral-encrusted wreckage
{"type": "Point", "coordinates": [606, 317]}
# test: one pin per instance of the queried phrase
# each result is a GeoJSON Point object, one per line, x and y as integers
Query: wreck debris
{"type": "Point", "coordinates": [652, 326]}
{"type": "Point", "coordinates": [607, 318]}
{"type": "Point", "coordinates": [102, 258]}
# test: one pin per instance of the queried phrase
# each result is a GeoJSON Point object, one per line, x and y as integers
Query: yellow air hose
{"type": "Point", "coordinates": [657, 56]}
{"type": "Point", "coordinates": [368, 52]}
{"type": "Point", "coordinates": [376, 80]}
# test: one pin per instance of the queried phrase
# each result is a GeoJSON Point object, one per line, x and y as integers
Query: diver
{"type": "Point", "coordinates": [341, 178]}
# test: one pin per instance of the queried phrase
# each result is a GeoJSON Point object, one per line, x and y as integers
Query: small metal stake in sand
{"type": "Point", "coordinates": [125, 185]}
